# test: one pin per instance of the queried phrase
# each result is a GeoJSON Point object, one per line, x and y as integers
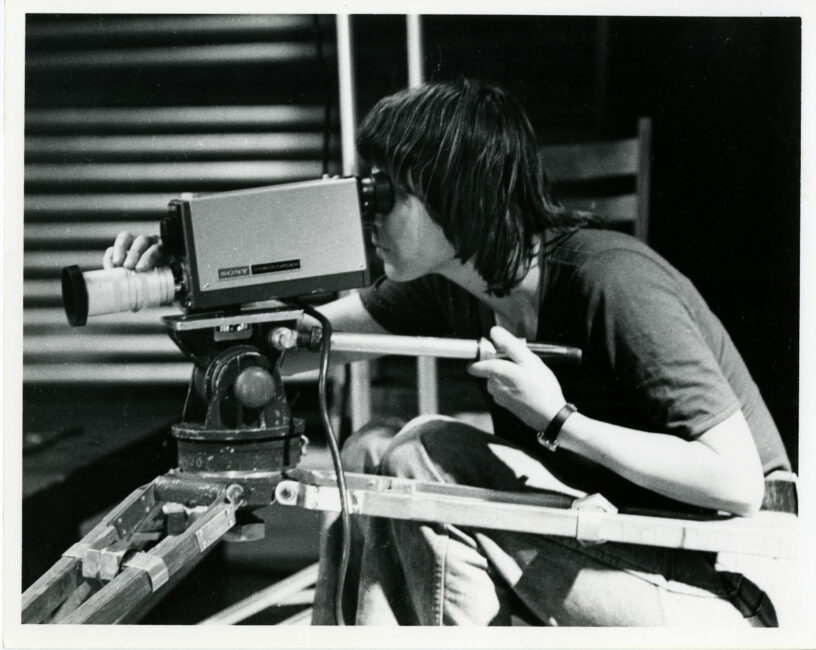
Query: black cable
{"type": "Point", "coordinates": [334, 447]}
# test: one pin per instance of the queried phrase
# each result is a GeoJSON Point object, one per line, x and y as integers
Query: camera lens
{"type": "Point", "coordinates": [107, 291]}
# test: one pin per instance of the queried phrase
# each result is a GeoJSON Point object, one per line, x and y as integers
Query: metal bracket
{"type": "Point", "coordinates": [212, 531]}
{"type": "Point", "coordinates": [79, 549]}
{"type": "Point", "coordinates": [153, 565]}
{"type": "Point", "coordinates": [589, 523]}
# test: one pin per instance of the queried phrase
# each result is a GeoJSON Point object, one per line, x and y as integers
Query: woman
{"type": "Point", "coordinates": [662, 413]}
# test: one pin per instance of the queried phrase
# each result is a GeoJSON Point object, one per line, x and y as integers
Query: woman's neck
{"type": "Point", "coordinates": [518, 310]}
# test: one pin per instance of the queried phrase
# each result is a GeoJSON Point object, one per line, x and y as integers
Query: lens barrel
{"type": "Point", "coordinates": [108, 291]}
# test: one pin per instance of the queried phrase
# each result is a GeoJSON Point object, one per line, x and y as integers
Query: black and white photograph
{"type": "Point", "coordinates": [346, 316]}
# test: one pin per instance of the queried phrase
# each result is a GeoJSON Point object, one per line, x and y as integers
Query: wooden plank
{"type": "Point", "coordinates": [43, 597]}
{"type": "Point", "coordinates": [576, 162]}
{"type": "Point", "coordinates": [182, 176]}
{"type": "Point", "coordinates": [79, 343]}
{"type": "Point", "coordinates": [301, 618]}
{"type": "Point", "coordinates": [275, 594]}
{"type": "Point", "coordinates": [44, 264]}
{"type": "Point", "coordinates": [43, 292]}
{"type": "Point", "coordinates": [236, 54]}
{"type": "Point", "coordinates": [41, 319]}
{"type": "Point", "coordinates": [114, 602]}
{"type": "Point", "coordinates": [126, 373]}
{"type": "Point", "coordinates": [172, 119]}
{"type": "Point", "coordinates": [100, 373]}
{"type": "Point", "coordinates": [644, 179]}
{"type": "Point", "coordinates": [82, 234]}
{"type": "Point", "coordinates": [103, 207]}
{"type": "Point", "coordinates": [165, 27]}
{"type": "Point", "coordinates": [94, 148]}
{"type": "Point", "coordinates": [84, 591]}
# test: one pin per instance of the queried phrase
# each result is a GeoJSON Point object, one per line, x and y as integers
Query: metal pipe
{"type": "Point", "coordinates": [359, 373]}
{"type": "Point", "coordinates": [410, 346]}
{"type": "Point", "coordinates": [441, 348]}
{"type": "Point", "coordinates": [416, 74]}
{"type": "Point", "coordinates": [348, 118]}
{"type": "Point", "coordinates": [427, 375]}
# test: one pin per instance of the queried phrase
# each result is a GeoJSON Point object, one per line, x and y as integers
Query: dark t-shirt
{"type": "Point", "coordinates": [655, 358]}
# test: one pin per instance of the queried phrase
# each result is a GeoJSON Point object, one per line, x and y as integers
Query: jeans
{"type": "Point", "coordinates": [414, 573]}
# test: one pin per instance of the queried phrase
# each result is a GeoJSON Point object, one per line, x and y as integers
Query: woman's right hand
{"type": "Point", "coordinates": [141, 253]}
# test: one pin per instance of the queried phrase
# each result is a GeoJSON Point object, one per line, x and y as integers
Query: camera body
{"type": "Point", "coordinates": [269, 242]}
{"type": "Point", "coordinates": [243, 246]}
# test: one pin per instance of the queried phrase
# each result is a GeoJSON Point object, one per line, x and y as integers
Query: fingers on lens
{"type": "Point", "coordinates": [139, 246]}
{"type": "Point", "coordinates": [151, 258]}
{"type": "Point", "coordinates": [120, 248]}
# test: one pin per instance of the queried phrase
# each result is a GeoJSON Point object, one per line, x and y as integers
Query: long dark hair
{"type": "Point", "coordinates": [468, 152]}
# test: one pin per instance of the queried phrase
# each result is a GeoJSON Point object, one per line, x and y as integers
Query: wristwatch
{"type": "Point", "coordinates": [549, 437]}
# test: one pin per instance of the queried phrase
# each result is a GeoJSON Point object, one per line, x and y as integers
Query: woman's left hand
{"type": "Point", "coordinates": [521, 383]}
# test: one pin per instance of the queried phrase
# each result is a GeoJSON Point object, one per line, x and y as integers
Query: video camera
{"type": "Point", "coordinates": [243, 246]}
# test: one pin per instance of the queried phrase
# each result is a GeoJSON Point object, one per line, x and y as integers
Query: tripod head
{"type": "Point", "coordinates": [237, 427]}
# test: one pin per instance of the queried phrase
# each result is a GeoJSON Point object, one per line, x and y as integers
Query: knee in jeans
{"type": "Point", "coordinates": [364, 449]}
{"type": "Point", "coordinates": [408, 446]}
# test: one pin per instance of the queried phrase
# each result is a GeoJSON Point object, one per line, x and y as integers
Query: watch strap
{"type": "Point", "coordinates": [549, 437]}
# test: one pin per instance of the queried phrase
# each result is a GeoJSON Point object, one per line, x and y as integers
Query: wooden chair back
{"type": "Point", "coordinates": [610, 177]}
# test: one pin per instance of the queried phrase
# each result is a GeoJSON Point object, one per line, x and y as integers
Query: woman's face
{"type": "Point", "coordinates": [409, 242]}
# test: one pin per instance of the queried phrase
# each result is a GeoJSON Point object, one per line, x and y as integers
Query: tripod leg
{"type": "Point", "coordinates": [48, 593]}
{"type": "Point", "coordinates": [144, 575]}
{"type": "Point", "coordinates": [50, 590]}
{"type": "Point", "coordinates": [113, 602]}
{"type": "Point", "coordinates": [84, 591]}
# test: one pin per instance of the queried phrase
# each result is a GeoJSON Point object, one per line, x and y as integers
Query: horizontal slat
{"type": "Point", "coordinates": [42, 291]}
{"type": "Point", "coordinates": [182, 176]}
{"type": "Point", "coordinates": [82, 235]}
{"type": "Point", "coordinates": [53, 318]}
{"type": "Point", "coordinates": [590, 160]}
{"type": "Point", "coordinates": [53, 207]}
{"type": "Point", "coordinates": [100, 373]}
{"type": "Point", "coordinates": [166, 27]}
{"type": "Point", "coordinates": [239, 54]}
{"type": "Point", "coordinates": [172, 119]}
{"type": "Point", "coordinates": [51, 263]}
{"type": "Point", "coordinates": [616, 208]}
{"type": "Point", "coordinates": [174, 147]}
{"type": "Point", "coordinates": [83, 344]}
{"type": "Point", "coordinates": [126, 374]}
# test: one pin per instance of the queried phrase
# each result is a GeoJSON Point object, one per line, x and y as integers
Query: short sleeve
{"type": "Point", "coordinates": [407, 308]}
{"type": "Point", "coordinates": [641, 320]}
